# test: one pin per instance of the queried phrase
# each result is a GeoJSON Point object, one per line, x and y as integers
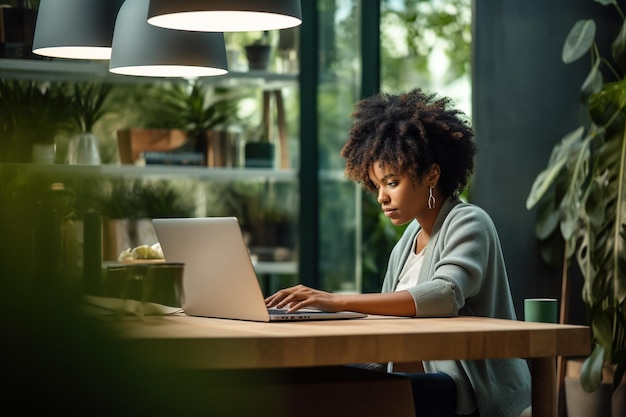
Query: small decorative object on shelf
{"type": "Point", "coordinates": [259, 152]}
{"type": "Point", "coordinates": [89, 105]}
{"type": "Point", "coordinates": [173, 158]}
{"type": "Point", "coordinates": [262, 152]}
{"type": "Point", "coordinates": [83, 150]}
{"type": "Point", "coordinates": [258, 53]}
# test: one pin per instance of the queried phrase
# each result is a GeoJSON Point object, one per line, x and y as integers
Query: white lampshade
{"type": "Point", "coordinates": [225, 15]}
{"type": "Point", "coordinates": [78, 29]}
{"type": "Point", "coordinates": [145, 50]}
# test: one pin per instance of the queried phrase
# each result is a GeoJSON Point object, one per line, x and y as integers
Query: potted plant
{"type": "Point", "coordinates": [127, 207]}
{"type": "Point", "coordinates": [258, 53]}
{"type": "Point", "coordinates": [31, 116]}
{"type": "Point", "coordinates": [89, 105]}
{"type": "Point", "coordinates": [581, 198]}
{"type": "Point", "coordinates": [259, 150]}
{"type": "Point", "coordinates": [266, 212]}
{"type": "Point", "coordinates": [191, 108]}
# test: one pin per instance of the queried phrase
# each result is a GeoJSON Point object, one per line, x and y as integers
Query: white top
{"type": "Point", "coordinates": [411, 268]}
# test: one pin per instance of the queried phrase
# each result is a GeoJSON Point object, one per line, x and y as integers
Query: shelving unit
{"type": "Point", "coordinates": [327, 205]}
{"type": "Point", "coordinates": [88, 71]}
{"type": "Point", "coordinates": [164, 172]}
{"type": "Point", "coordinates": [63, 70]}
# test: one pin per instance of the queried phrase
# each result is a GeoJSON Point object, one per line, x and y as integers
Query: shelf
{"type": "Point", "coordinates": [173, 171]}
{"type": "Point", "coordinates": [262, 268]}
{"type": "Point", "coordinates": [74, 70]}
{"type": "Point", "coordinates": [158, 172]}
{"type": "Point", "coordinates": [195, 172]}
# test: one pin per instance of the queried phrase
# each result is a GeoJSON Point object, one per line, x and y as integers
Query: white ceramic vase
{"type": "Point", "coordinates": [83, 150]}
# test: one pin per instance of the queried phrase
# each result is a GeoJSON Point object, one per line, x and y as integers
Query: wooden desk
{"type": "Point", "coordinates": [204, 343]}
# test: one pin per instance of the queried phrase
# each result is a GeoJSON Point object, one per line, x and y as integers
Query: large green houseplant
{"type": "Point", "coordinates": [581, 195]}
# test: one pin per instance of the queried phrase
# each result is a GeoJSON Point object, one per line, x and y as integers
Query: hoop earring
{"type": "Point", "coordinates": [431, 198]}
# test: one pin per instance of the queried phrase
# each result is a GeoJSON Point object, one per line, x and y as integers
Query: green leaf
{"type": "Point", "coordinates": [569, 210]}
{"type": "Point", "coordinates": [577, 174]}
{"type": "Point", "coordinates": [547, 220]}
{"type": "Point", "coordinates": [583, 257]}
{"type": "Point", "coordinates": [606, 2]}
{"type": "Point", "coordinates": [602, 327]}
{"type": "Point", "coordinates": [558, 158]}
{"type": "Point", "coordinates": [593, 83]}
{"type": "Point", "coordinates": [595, 205]}
{"type": "Point", "coordinates": [579, 40]}
{"type": "Point", "coordinates": [591, 371]}
{"type": "Point", "coordinates": [618, 48]}
{"type": "Point", "coordinates": [605, 107]}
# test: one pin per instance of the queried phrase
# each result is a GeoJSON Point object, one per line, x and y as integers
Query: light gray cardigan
{"type": "Point", "coordinates": [464, 274]}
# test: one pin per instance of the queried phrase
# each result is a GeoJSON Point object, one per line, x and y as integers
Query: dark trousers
{"type": "Point", "coordinates": [434, 395]}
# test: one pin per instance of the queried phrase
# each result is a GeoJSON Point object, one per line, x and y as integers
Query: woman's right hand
{"type": "Point", "coordinates": [301, 296]}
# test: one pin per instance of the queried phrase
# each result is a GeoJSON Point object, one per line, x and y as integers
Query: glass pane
{"type": "Point", "coordinates": [339, 89]}
{"type": "Point", "coordinates": [427, 44]}
{"type": "Point", "coordinates": [424, 44]}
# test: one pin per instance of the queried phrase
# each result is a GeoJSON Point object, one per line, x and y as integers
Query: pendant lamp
{"type": "Point", "coordinates": [145, 50]}
{"type": "Point", "coordinates": [225, 15]}
{"type": "Point", "coordinates": [78, 29]}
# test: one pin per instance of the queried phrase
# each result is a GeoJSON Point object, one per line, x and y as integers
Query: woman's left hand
{"type": "Point", "coordinates": [301, 296]}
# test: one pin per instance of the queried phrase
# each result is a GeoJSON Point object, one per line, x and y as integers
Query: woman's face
{"type": "Point", "coordinates": [402, 199]}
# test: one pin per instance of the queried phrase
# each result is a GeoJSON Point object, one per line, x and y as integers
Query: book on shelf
{"type": "Point", "coordinates": [173, 158]}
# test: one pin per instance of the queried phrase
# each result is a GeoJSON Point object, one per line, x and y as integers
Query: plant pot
{"type": "Point", "coordinates": [83, 150]}
{"type": "Point", "coordinates": [223, 148]}
{"type": "Point", "coordinates": [603, 402]}
{"type": "Point", "coordinates": [259, 155]}
{"type": "Point", "coordinates": [258, 56]}
{"type": "Point", "coordinates": [132, 142]}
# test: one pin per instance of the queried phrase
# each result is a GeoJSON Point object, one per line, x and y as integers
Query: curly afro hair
{"type": "Point", "coordinates": [409, 132]}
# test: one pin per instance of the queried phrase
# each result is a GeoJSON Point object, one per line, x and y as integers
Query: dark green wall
{"type": "Point", "coordinates": [525, 99]}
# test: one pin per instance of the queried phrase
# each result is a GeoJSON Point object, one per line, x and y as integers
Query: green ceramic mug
{"type": "Point", "coordinates": [540, 310]}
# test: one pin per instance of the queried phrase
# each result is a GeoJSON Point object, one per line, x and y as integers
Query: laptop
{"type": "Point", "coordinates": [219, 279]}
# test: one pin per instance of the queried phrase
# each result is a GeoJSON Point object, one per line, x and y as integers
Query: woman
{"type": "Point", "coordinates": [417, 154]}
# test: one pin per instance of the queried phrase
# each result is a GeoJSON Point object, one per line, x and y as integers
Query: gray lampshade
{"type": "Point", "coordinates": [146, 50]}
{"type": "Point", "coordinates": [225, 15]}
{"type": "Point", "coordinates": [79, 29]}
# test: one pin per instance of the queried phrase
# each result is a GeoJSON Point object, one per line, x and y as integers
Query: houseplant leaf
{"type": "Point", "coordinates": [593, 83]}
{"type": "Point", "coordinates": [591, 371]}
{"type": "Point", "coordinates": [89, 101]}
{"type": "Point", "coordinates": [548, 219]}
{"type": "Point", "coordinates": [618, 48]}
{"type": "Point", "coordinates": [577, 174]}
{"type": "Point", "coordinates": [579, 40]}
{"type": "Point", "coordinates": [605, 2]}
{"type": "Point", "coordinates": [605, 107]}
{"type": "Point", "coordinates": [558, 159]}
